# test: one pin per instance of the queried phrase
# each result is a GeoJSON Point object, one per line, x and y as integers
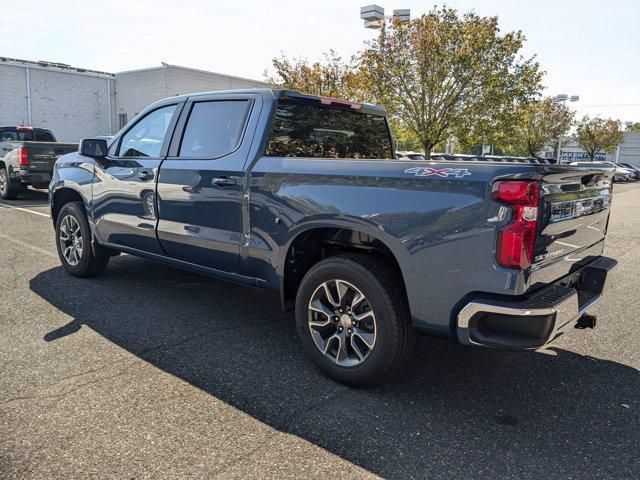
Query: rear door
{"type": "Point", "coordinates": [200, 187]}
{"type": "Point", "coordinates": [124, 193]}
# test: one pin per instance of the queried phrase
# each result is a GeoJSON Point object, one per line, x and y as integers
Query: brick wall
{"type": "Point", "coordinates": [74, 104]}
{"type": "Point", "coordinates": [71, 105]}
{"type": "Point", "coordinates": [13, 96]}
{"type": "Point", "coordinates": [137, 89]}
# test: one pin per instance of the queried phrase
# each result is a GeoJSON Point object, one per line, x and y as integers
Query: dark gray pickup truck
{"type": "Point", "coordinates": [27, 155]}
{"type": "Point", "coordinates": [301, 195]}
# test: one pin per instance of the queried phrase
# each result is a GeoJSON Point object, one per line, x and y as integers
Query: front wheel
{"type": "Point", "coordinates": [73, 241]}
{"type": "Point", "coordinates": [352, 319]}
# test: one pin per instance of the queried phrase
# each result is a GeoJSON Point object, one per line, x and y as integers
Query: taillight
{"type": "Point", "coordinates": [23, 156]}
{"type": "Point", "coordinates": [516, 240]}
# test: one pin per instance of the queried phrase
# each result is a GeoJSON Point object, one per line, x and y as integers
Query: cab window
{"type": "Point", "coordinates": [44, 136]}
{"type": "Point", "coordinates": [214, 128]}
{"type": "Point", "coordinates": [145, 138]}
{"type": "Point", "coordinates": [306, 128]}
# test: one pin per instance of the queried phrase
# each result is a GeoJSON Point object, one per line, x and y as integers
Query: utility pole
{"type": "Point", "coordinates": [563, 97]}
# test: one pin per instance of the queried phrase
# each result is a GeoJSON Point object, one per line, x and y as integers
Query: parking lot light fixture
{"type": "Point", "coordinates": [563, 97]}
{"type": "Point", "coordinates": [374, 17]}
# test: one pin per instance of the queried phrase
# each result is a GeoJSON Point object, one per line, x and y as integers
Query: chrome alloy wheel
{"type": "Point", "coordinates": [342, 323]}
{"type": "Point", "coordinates": [71, 243]}
{"type": "Point", "coordinates": [4, 182]}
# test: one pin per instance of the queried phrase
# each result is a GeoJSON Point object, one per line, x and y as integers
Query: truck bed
{"type": "Point", "coordinates": [41, 157]}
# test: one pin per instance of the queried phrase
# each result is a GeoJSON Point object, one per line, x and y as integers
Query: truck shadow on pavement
{"type": "Point", "coordinates": [453, 412]}
{"type": "Point", "coordinates": [30, 197]}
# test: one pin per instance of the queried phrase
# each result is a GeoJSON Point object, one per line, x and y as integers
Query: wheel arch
{"type": "Point", "coordinates": [315, 241]}
{"type": "Point", "coordinates": [63, 195]}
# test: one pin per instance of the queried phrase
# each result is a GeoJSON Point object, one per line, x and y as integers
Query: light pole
{"type": "Point", "coordinates": [374, 17]}
{"type": "Point", "coordinates": [563, 97]}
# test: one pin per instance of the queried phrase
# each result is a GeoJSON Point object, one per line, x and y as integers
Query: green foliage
{"type": "Point", "coordinates": [540, 123]}
{"type": "Point", "coordinates": [448, 74]}
{"type": "Point", "coordinates": [634, 127]}
{"type": "Point", "coordinates": [442, 74]}
{"type": "Point", "coordinates": [597, 135]}
{"type": "Point", "coordinates": [405, 139]}
{"type": "Point", "coordinates": [330, 77]}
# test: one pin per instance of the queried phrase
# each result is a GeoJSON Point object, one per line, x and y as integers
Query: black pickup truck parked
{"type": "Point", "coordinates": [27, 155]}
{"type": "Point", "coordinates": [302, 195]}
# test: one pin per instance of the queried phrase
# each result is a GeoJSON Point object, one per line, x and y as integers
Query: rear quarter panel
{"type": "Point", "coordinates": [440, 229]}
{"type": "Point", "coordinates": [9, 156]}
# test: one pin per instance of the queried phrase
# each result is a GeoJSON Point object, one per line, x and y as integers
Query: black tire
{"type": "Point", "coordinates": [7, 190]}
{"type": "Point", "coordinates": [88, 264]}
{"type": "Point", "coordinates": [381, 286]}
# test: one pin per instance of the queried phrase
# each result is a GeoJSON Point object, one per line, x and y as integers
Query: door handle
{"type": "Point", "coordinates": [223, 182]}
{"type": "Point", "coordinates": [145, 175]}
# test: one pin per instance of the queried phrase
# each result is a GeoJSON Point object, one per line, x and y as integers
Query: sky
{"type": "Point", "coordinates": [587, 48]}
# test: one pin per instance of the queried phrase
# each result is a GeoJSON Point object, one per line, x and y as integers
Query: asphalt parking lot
{"type": "Point", "coordinates": [152, 372]}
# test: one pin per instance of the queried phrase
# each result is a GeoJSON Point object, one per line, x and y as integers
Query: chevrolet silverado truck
{"type": "Point", "coordinates": [302, 195]}
{"type": "Point", "coordinates": [27, 155]}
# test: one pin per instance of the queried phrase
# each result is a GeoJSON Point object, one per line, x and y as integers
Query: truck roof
{"type": "Point", "coordinates": [278, 93]}
{"type": "Point", "coordinates": [25, 127]}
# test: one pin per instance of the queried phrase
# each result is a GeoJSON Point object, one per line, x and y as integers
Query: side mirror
{"type": "Point", "coordinates": [93, 147]}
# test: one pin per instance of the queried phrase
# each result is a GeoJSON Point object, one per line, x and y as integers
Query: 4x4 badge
{"type": "Point", "coordinates": [441, 172]}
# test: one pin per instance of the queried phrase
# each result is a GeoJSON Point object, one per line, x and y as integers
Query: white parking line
{"type": "Point", "coordinates": [24, 210]}
{"type": "Point", "coordinates": [20, 243]}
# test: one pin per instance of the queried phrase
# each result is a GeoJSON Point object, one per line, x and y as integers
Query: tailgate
{"type": "Point", "coordinates": [575, 205]}
{"type": "Point", "coordinates": [42, 155]}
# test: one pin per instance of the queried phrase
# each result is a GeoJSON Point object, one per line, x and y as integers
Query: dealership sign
{"type": "Point", "coordinates": [568, 157]}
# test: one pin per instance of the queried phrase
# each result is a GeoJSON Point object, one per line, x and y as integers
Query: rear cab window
{"type": "Point", "coordinates": [43, 136]}
{"type": "Point", "coordinates": [305, 127]}
{"type": "Point", "coordinates": [25, 134]}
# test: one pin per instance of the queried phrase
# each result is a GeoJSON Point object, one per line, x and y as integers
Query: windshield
{"type": "Point", "coordinates": [306, 128]}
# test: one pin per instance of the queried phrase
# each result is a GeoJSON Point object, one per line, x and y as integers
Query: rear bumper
{"type": "Point", "coordinates": [34, 177]}
{"type": "Point", "coordinates": [538, 319]}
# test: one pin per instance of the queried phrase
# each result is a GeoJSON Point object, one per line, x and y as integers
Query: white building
{"type": "Point", "coordinates": [74, 102]}
{"type": "Point", "coordinates": [71, 102]}
{"type": "Point", "coordinates": [136, 89]}
{"type": "Point", "coordinates": [627, 152]}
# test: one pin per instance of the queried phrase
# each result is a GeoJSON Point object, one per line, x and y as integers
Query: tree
{"type": "Point", "coordinates": [448, 74]}
{"type": "Point", "coordinates": [597, 135]}
{"type": "Point", "coordinates": [404, 137]}
{"type": "Point", "coordinates": [330, 77]}
{"type": "Point", "coordinates": [541, 123]}
{"type": "Point", "coordinates": [634, 127]}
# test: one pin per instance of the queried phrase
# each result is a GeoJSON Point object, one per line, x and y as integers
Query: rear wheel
{"type": "Point", "coordinates": [73, 236]}
{"type": "Point", "coordinates": [7, 190]}
{"type": "Point", "coordinates": [352, 319]}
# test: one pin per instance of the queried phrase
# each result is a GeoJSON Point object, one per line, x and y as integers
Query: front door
{"type": "Point", "coordinates": [200, 184]}
{"type": "Point", "coordinates": [124, 203]}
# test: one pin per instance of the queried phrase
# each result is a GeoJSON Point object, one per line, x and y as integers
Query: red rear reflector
{"type": "Point", "coordinates": [23, 158]}
{"type": "Point", "coordinates": [334, 102]}
{"type": "Point", "coordinates": [516, 240]}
